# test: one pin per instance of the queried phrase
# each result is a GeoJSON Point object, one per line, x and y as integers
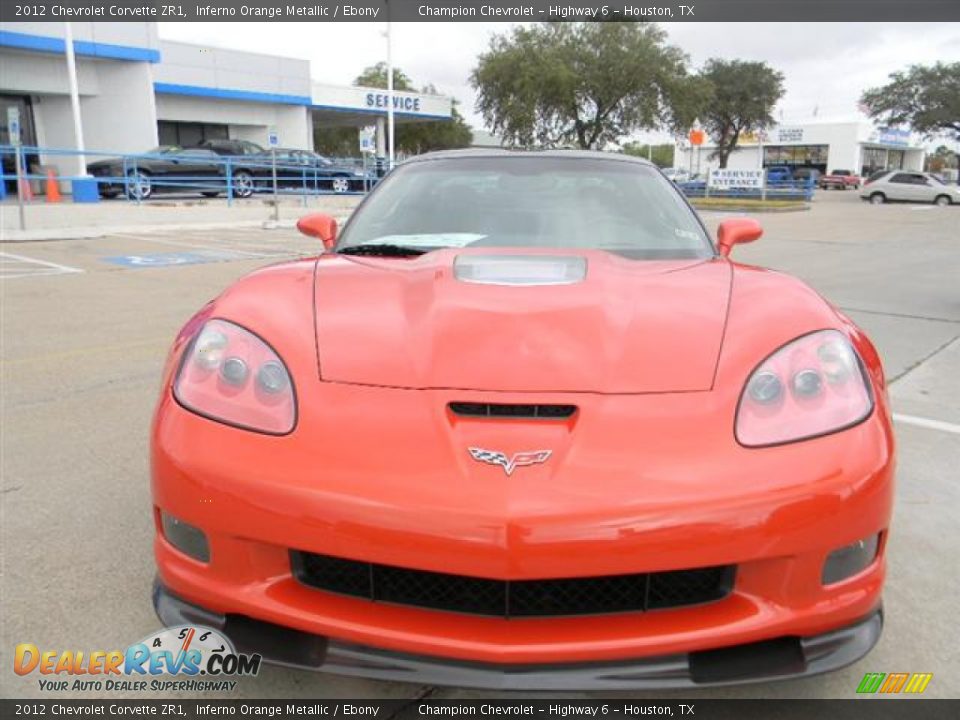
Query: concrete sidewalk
{"type": "Point", "coordinates": [63, 221]}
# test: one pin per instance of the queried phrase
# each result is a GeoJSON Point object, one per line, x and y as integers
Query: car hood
{"type": "Point", "coordinates": [624, 326]}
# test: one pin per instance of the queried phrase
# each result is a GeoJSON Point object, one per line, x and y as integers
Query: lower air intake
{"type": "Point", "coordinates": [513, 598]}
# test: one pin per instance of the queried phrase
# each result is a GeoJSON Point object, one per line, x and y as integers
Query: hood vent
{"type": "Point", "coordinates": [520, 269]}
{"type": "Point", "coordinates": [527, 412]}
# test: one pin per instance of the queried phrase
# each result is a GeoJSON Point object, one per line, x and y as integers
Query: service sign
{"type": "Point", "coordinates": [735, 179]}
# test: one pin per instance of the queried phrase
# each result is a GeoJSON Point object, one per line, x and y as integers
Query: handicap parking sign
{"type": "Point", "coordinates": [172, 258]}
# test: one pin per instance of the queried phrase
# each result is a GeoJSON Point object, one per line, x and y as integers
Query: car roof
{"type": "Point", "coordinates": [471, 153]}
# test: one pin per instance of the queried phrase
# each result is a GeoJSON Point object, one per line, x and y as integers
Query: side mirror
{"type": "Point", "coordinates": [736, 231]}
{"type": "Point", "coordinates": [319, 225]}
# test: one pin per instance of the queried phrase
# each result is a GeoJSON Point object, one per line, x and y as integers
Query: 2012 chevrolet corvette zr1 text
{"type": "Point", "coordinates": [522, 424]}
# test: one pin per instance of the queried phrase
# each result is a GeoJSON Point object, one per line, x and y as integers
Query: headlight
{"type": "Point", "coordinates": [812, 386]}
{"type": "Point", "coordinates": [230, 375]}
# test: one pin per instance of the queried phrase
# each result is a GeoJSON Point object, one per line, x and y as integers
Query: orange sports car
{"type": "Point", "coordinates": [522, 424]}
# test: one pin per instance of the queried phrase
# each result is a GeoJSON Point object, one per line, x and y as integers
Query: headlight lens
{"type": "Point", "coordinates": [812, 386]}
{"type": "Point", "coordinates": [230, 375]}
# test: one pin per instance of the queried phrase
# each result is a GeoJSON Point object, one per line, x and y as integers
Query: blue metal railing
{"type": "Point", "coordinates": [140, 176]}
{"type": "Point", "coordinates": [780, 190]}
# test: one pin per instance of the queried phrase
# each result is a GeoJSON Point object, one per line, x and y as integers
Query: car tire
{"type": "Point", "coordinates": [243, 184]}
{"type": "Point", "coordinates": [942, 200]}
{"type": "Point", "coordinates": [340, 185]}
{"type": "Point", "coordinates": [139, 185]}
{"type": "Point", "coordinates": [211, 193]}
{"type": "Point", "coordinates": [109, 194]}
{"type": "Point", "coordinates": [878, 198]}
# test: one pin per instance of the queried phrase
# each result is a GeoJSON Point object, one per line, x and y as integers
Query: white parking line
{"type": "Point", "coordinates": [19, 266]}
{"type": "Point", "coordinates": [927, 423]}
{"type": "Point", "coordinates": [225, 246]}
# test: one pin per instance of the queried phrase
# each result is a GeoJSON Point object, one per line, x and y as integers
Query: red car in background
{"type": "Point", "coordinates": [841, 180]}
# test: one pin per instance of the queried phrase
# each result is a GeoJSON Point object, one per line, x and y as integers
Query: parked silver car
{"type": "Point", "coordinates": [908, 186]}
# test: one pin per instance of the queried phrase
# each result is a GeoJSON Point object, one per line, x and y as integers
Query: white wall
{"type": "Point", "coordinates": [122, 117]}
{"type": "Point", "coordinates": [199, 66]}
{"type": "Point", "coordinates": [844, 141]}
{"type": "Point", "coordinates": [130, 34]}
{"type": "Point", "coordinates": [32, 73]}
{"type": "Point", "coordinates": [246, 120]}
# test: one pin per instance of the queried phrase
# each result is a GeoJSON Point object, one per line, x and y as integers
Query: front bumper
{"type": "Point", "coordinates": [775, 659]}
{"type": "Point", "coordinates": [686, 500]}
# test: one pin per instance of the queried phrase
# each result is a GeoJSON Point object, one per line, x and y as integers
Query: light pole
{"type": "Point", "coordinates": [75, 100]}
{"type": "Point", "coordinates": [390, 145]}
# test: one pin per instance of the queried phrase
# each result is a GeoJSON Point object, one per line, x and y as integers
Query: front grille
{"type": "Point", "coordinates": [515, 410]}
{"type": "Point", "coordinates": [513, 598]}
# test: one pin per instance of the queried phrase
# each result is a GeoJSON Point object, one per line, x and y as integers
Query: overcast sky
{"type": "Point", "coordinates": [826, 65]}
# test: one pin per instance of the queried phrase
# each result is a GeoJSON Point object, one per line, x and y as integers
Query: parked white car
{"type": "Point", "coordinates": [907, 186]}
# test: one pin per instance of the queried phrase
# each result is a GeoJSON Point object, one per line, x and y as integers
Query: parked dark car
{"type": "Point", "coordinates": [232, 148]}
{"type": "Point", "coordinates": [806, 175]}
{"type": "Point", "coordinates": [171, 169]}
{"type": "Point", "coordinates": [302, 168]}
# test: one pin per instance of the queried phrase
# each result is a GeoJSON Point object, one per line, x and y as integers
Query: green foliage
{"type": "Point", "coordinates": [661, 155]}
{"type": "Point", "coordinates": [925, 98]}
{"type": "Point", "coordinates": [943, 158]}
{"type": "Point", "coordinates": [736, 97]}
{"type": "Point", "coordinates": [375, 76]}
{"type": "Point", "coordinates": [336, 141]}
{"type": "Point", "coordinates": [419, 137]}
{"type": "Point", "coordinates": [582, 84]}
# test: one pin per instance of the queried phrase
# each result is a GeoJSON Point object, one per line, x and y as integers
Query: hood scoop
{"type": "Point", "coordinates": [520, 269]}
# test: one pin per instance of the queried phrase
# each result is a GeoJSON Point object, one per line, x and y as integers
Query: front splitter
{"type": "Point", "coordinates": [776, 659]}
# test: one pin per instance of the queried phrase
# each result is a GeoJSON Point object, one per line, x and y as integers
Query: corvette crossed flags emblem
{"type": "Point", "coordinates": [520, 459]}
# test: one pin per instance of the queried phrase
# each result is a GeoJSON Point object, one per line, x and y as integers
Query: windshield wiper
{"type": "Point", "coordinates": [383, 250]}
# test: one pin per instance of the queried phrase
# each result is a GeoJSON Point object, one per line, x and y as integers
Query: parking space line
{"type": "Point", "coordinates": [927, 423]}
{"type": "Point", "coordinates": [199, 246]}
{"type": "Point", "coordinates": [14, 266]}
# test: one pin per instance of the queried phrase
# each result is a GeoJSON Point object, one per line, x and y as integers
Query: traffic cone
{"type": "Point", "coordinates": [53, 188]}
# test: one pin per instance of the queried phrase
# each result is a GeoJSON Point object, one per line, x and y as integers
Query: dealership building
{"type": "Point", "coordinates": [824, 146]}
{"type": "Point", "coordinates": [138, 91]}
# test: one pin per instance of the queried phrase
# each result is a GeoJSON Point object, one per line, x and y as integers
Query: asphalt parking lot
{"type": "Point", "coordinates": [86, 324]}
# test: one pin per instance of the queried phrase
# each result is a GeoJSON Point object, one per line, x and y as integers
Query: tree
{"type": "Point", "coordinates": [376, 76]}
{"type": "Point", "coordinates": [925, 98]}
{"type": "Point", "coordinates": [335, 141]}
{"type": "Point", "coordinates": [419, 137]}
{"type": "Point", "coordinates": [660, 155]}
{"type": "Point", "coordinates": [738, 97]}
{"type": "Point", "coordinates": [942, 158]}
{"type": "Point", "coordinates": [583, 84]}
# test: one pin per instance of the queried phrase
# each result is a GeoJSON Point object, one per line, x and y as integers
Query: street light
{"type": "Point", "coordinates": [74, 99]}
{"type": "Point", "coordinates": [390, 146]}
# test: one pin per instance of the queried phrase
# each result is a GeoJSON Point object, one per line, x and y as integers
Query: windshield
{"type": "Point", "coordinates": [530, 202]}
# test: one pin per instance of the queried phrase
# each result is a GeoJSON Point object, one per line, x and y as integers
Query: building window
{"type": "Point", "coordinates": [188, 134]}
{"type": "Point", "coordinates": [813, 156]}
{"type": "Point", "coordinates": [874, 160]}
{"type": "Point", "coordinates": [28, 136]}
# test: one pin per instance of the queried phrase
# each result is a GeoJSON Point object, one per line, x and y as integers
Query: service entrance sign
{"type": "Point", "coordinates": [736, 179]}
